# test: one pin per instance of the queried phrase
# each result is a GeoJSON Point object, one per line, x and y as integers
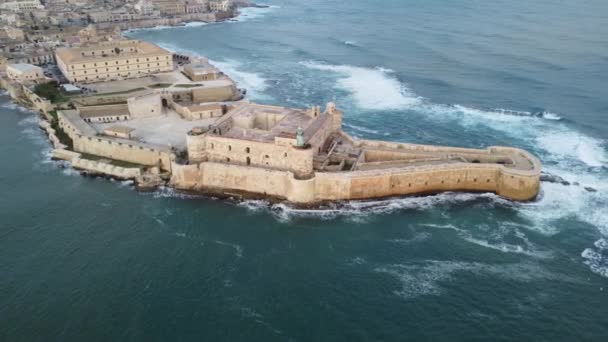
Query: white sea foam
{"type": "Point", "coordinates": [16, 107]}
{"type": "Point", "coordinates": [494, 239]}
{"type": "Point", "coordinates": [374, 88]}
{"type": "Point", "coordinates": [357, 210]}
{"type": "Point", "coordinates": [350, 42]}
{"type": "Point", "coordinates": [425, 278]}
{"type": "Point", "coordinates": [251, 13]}
{"type": "Point", "coordinates": [567, 144]}
{"type": "Point", "coordinates": [254, 83]}
{"type": "Point", "coordinates": [196, 24]}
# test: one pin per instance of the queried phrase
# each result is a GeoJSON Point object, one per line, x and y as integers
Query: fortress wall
{"type": "Point", "coordinates": [515, 183]}
{"type": "Point", "coordinates": [358, 184]}
{"type": "Point", "coordinates": [415, 147]}
{"type": "Point", "coordinates": [214, 94]}
{"type": "Point", "coordinates": [221, 177]}
{"type": "Point", "coordinates": [221, 149]}
{"type": "Point", "coordinates": [325, 129]}
{"type": "Point", "coordinates": [195, 145]}
{"type": "Point", "coordinates": [424, 180]}
{"type": "Point", "coordinates": [254, 180]}
{"type": "Point", "coordinates": [126, 151]}
{"type": "Point", "coordinates": [372, 156]}
{"type": "Point", "coordinates": [187, 177]}
{"type": "Point", "coordinates": [39, 104]}
{"type": "Point", "coordinates": [145, 106]}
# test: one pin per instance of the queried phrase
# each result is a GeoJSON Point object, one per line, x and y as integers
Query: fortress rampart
{"type": "Point", "coordinates": [351, 185]}
{"type": "Point", "coordinates": [86, 140]}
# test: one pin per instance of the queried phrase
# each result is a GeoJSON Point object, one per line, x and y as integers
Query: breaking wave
{"type": "Point", "coordinates": [356, 210]}
{"type": "Point", "coordinates": [371, 88]}
{"type": "Point", "coordinates": [254, 83]}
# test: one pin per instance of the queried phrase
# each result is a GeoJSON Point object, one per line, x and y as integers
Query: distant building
{"type": "Point", "coordinates": [200, 6]}
{"type": "Point", "coordinates": [113, 61]}
{"type": "Point", "coordinates": [220, 5]}
{"type": "Point", "coordinates": [24, 72]}
{"type": "Point", "coordinates": [22, 6]}
{"type": "Point", "coordinates": [169, 7]}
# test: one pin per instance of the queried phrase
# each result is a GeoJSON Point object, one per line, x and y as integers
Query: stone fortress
{"type": "Point", "coordinates": [196, 133]}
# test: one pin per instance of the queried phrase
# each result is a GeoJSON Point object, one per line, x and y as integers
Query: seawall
{"type": "Point", "coordinates": [218, 177]}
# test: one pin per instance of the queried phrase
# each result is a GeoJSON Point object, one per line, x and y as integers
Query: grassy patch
{"type": "Point", "coordinates": [121, 92]}
{"type": "Point", "coordinates": [160, 85]}
{"type": "Point", "coordinates": [188, 85]}
{"type": "Point", "coordinates": [50, 91]}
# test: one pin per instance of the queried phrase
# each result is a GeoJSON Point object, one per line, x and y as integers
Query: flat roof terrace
{"type": "Point", "coordinates": [367, 155]}
{"type": "Point", "coordinates": [127, 48]}
{"type": "Point", "coordinates": [168, 129]}
{"type": "Point", "coordinates": [262, 123]}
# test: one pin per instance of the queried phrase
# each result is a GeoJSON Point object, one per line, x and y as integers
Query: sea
{"type": "Point", "coordinates": [89, 259]}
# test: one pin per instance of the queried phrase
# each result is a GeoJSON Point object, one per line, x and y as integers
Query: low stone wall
{"type": "Point", "coordinates": [106, 169]}
{"type": "Point", "coordinates": [63, 154]}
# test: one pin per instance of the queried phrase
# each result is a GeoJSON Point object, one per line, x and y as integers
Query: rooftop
{"type": "Point", "coordinates": [249, 121]}
{"type": "Point", "coordinates": [107, 110]}
{"type": "Point", "coordinates": [23, 67]}
{"type": "Point", "coordinates": [127, 48]}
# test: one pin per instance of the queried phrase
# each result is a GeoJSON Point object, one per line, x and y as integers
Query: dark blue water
{"type": "Point", "coordinates": [89, 259]}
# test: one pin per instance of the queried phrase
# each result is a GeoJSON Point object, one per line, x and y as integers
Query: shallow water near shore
{"type": "Point", "coordinates": [91, 259]}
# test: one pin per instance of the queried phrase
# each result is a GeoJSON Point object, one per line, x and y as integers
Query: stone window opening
{"type": "Point", "coordinates": [248, 161]}
{"type": "Point", "coordinates": [229, 148]}
{"type": "Point", "coordinates": [247, 150]}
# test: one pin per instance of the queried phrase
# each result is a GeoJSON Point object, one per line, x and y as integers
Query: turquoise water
{"type": "Point", "coordinates": [90, 259]}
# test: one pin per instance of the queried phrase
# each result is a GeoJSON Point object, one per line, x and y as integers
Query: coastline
{"type": "Point", "coordinates": [150, 178]}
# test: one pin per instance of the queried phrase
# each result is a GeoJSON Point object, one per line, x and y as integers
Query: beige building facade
{"type": "Point", "coordinates": [113, 61]}
{"type": "Point", "coordinates": [25, 72]}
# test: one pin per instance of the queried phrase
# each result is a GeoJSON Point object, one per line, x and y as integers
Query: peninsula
{"type": "Point", "coordinates": [132, 110]}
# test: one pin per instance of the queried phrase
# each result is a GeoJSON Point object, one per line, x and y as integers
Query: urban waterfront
{"type": "Point", "coordinates": [91, 259]}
